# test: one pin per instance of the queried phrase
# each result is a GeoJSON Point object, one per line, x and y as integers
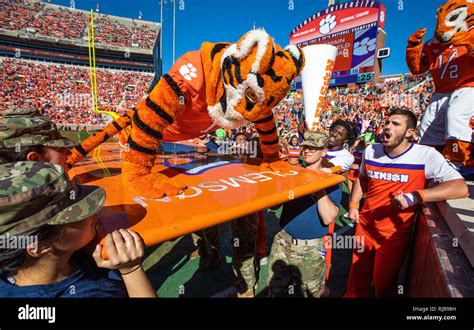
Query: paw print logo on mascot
{"type": "Point", "coordinates": [188, 71]}
{"type": "Point", "coordinates": [227, 85]}
{"type": "Point", "coordinates": [327, 24]}
{"type": "Point", "coordinates": [365, 46]}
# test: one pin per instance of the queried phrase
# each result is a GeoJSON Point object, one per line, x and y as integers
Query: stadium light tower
{"type": "Point", "coordinates": [161, 18]}
{"type": "Point", "coordinates": [174, 30]}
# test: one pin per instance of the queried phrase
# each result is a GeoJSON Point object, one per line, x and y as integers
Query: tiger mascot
{"type": "Point", "coordinates": [220, 85]}
{"type": "Point", "coordinates": [449, 56]}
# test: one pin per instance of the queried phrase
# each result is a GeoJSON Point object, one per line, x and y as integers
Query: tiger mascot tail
{"type": "Point", "coordinates": [449, 57]}
{"type": "Point", "coordinates": [220, 85]}
{"type": "Point", "coordinates": [89, 144]}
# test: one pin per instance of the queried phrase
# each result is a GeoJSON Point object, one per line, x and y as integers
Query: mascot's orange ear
{"type": "Point", "coordinates": [255, 51]}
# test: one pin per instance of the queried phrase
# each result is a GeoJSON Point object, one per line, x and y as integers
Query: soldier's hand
{"type": "Point", "coordinates": [354, 215]}
{"type": "Point", "coordinates": [125, 249]}
{"type": "Point", "coordinates": [417, 37]}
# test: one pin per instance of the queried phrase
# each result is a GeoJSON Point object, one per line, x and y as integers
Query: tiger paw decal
{"type": "Point", "coordinates": [188, 71]}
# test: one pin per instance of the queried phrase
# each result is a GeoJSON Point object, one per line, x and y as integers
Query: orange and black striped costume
{"type": "Point", "coordinates": [221, 85]}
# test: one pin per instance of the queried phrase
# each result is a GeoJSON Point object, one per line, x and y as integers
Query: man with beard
{"type": "Point", "coordinates": [394, 175]}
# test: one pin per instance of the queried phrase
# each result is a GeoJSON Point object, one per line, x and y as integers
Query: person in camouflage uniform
{"type": "Point", "coordinates": [27, 135]}
{"type": "Point", "coordinates": [243, 243]}
{"type": "Point", "coordinates": [297, 264]}
{"type": "Point", "coordinates": [38, 201]}
{"type": "Point", "coordinates": [244, 252]}
{"type": "Point", "coordinates": [30, 189]}
{"type": "Point", "coordinates": [208, 244]}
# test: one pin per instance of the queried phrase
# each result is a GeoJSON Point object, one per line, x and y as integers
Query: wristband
{"type": "Point", "coordinates": [421, 196]}
{"type": "Point", "coordinates": [411, 199]}
{"type": "Point", "coordinates": [353, 205]}
{"type": "Point", "coordinates": [134, 269]}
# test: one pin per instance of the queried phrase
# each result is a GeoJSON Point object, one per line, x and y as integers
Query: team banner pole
{"type": "Point", "coordinates": [315, 78]}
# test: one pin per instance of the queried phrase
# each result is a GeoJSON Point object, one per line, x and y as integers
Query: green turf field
{"type": "Point", "coordinates": [79, 136]}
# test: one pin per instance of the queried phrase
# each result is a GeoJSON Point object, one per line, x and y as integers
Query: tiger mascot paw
{"type": "Point", "coordinates": [417, 37]}
{"type": "Point", "coordinates": [167, 186]}
{"type": "Point", "coordinates": [161, 186]}
{"type": "Point", "coordinates": [150, 184]}
{"type": "Point", "coordinates": [278, 166]}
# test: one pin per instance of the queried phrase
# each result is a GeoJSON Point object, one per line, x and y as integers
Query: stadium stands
{"type": "Point", "coordinates": [63, 91]}
{"type": "Point", "coordinates": [16, 14]}
{"type": "Point", "coordinates": [30, 16]}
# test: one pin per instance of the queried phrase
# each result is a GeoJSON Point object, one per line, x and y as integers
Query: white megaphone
{"type": "Point", "coordinates": [315, 77]}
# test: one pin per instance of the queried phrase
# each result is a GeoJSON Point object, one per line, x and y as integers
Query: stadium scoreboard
{"type": "Point", "coordinates": [353, 28]}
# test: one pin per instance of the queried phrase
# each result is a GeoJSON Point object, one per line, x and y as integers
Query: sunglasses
{"type": "Point", "coordinates": [311, 149]}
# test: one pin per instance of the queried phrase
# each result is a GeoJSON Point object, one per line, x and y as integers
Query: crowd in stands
{"type": "Point", "coordinates": [114, 33]}
{"type": "Point", "coordinates": [63, 91]}
{"type": "Point", "coordinates": [16, 14]}
{"type": "Point", "coordinates": [143, 35]}
{"type": "Point", "coordinates": [51, 22]}
{"type": "Point", "coordinates": [39, 18]}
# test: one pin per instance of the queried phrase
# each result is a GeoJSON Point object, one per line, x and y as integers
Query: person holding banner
{"type": "Point", "coordinates": [55, 218]}
{"type": "Point", "coordinates": [298, 253]}
{"type": "Point", "coordinates": [28, 136]}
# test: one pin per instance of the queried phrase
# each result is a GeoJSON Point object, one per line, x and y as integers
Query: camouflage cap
{"type": "Point", "coordinates": [20, 111]}
{"type": "Point", "coordinates": [24, 127]}
{"type": "Point", "coordinates": [315, 139]}
{"type": "Point", "coordinates": [33, 194]}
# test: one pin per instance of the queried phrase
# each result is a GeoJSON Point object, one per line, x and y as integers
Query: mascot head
{"type": "Point", "coordinates": [452, 17]}
{"type": "Point", "coordinates": [245, 80]}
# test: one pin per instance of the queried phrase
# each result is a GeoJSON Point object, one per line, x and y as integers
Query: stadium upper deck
{"type": "Point", "coordinates": [34, 19]}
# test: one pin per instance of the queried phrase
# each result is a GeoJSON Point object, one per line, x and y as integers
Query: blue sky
{"type": "Point", "coordinates": [228, 20]}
